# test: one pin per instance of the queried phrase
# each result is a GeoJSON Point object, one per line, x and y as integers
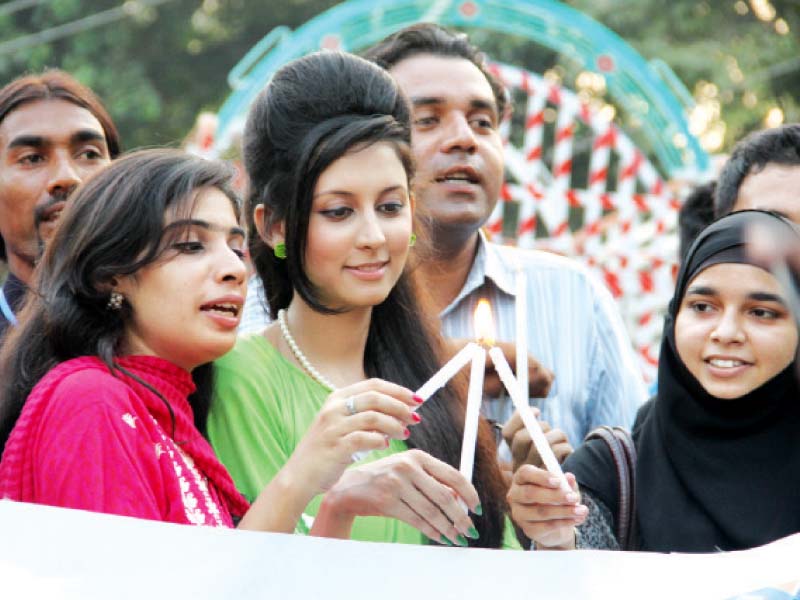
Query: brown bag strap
{"type": "Point", "coordinates": [623, 452]}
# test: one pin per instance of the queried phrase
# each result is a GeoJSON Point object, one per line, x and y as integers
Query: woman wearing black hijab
{"type": "Point", "coordinates": [719, 447]}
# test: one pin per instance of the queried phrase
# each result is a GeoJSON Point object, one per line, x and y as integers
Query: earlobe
{"type": "Point", "coordinates": [272, 233]}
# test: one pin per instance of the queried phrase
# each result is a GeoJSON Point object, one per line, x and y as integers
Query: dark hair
{"type": "Point", "coordinates": [429, 38]}
{"type": "Point", "coordinates": [113, 226]}
{"type": "Point", "coordinates": [780, 145]}
{"type": "Point", "coordinates": [696, 213]}
{"type": "Point", "coordinates": [315, 110]}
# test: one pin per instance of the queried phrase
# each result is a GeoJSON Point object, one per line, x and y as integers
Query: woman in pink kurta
{"type": "Point", "coordinates": [101, 442]}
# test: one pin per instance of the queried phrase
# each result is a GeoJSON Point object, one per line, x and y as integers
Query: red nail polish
{"type": "Point", "coordinates": [417, 399]}
{"type": "Point", "coordinates": [416, 418]}
{"type": "Point", "coordinates": [406, 432]}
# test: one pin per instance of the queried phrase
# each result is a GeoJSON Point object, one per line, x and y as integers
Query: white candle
{"type": "Point", "coordinates": [521, 311]}
{"type": "Point", "coordinates": [474, 398]}
{"type": "Point", "coordinates": [448, 371]}
{"type": "Point", "coordinates": [530, 422]}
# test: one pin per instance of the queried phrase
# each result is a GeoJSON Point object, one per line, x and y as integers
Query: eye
{"type": "Point", "coordinates": [483, 122]}
{"type": "Point", "coordinates": [239, 252]}
{"type": "Point", "coordinates": [391, 208]}
{"type": "Point", "coordinates": [339, 213]}
{"type": "Point", "coordinates": [426, 121]}
{"type": "Point", "coordinates": [91, 154]}
{"type": "Point", "coordinates": [191, 247]}
{"type": "Point", "coordinates": [31, 159]}
{"type": "Point", "coordinates": [699, 306]}
{"type": "Point", "coordinates": [764, 313]}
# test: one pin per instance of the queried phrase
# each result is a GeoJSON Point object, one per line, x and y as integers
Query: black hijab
{"type": "Point", "coordinates": [712, 474]}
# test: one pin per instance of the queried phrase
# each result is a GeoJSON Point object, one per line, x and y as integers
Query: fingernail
{"type": "Point", "coordinates": [417, 399]}
{"type": "Point", "coordinates": [446, 541]}
{"type": "Point", "coordinates": [478, 510]}
{"type": "Point", "coordinates": [581, 510]}
{"type": "Point", "coordinates": [572, 497]}
{"type": "Point", "coordinates": [462, 541]}
{"type": "Point", "coordinates": [473, 533]}
{"type": "Point", "coordinates": [386, 439]}
{"type": "Point", "coordinates": [415, 417]}
{"type": "Point", "coordinates": [553, 482]}
{"type": "Point", "coordinates": [406, 432]}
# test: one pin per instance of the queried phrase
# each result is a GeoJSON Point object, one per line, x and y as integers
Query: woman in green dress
{"type": "Point", "coordinates": [327, 151]}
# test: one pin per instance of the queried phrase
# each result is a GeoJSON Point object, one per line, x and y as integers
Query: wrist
{"type": "Point", "coordinates": [334, 518]}
{"type": "Point", "coordinates": [570, 544]}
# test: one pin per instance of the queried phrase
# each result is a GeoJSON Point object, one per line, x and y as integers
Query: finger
{"type": "Point", "coordinates": [388, 388]}
{"type": "Point", "coordinates": [537, 513]}
{"type": "Point", "coordinates": [432, 513]}
{"type": "Point", "coordinates": [374, 421]}
{"type": "Point", "coordinates": [540, 380]}
{"type": "Point", "coordinates": [450, 477]}
{"type": "Point", "coordinates": [545, 426]}
{"type": "Point", "coordinates": [388, 405]}
{"type": "Point", "coordinates": [511, 427]}
{"type": "Point", "coordinates": [362, 441]}
{"type": "Point", "coordinates": [522, 447]}
{"type": "Point", "coordinates": [545, 531]}
{"type": "Point", "coordinates": [530, 494]}
{"type": "Point", "coordinates": [405, 513]}
{"type": "Point", "coordinates": [562, 451]}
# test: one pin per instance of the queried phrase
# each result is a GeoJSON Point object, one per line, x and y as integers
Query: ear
{"type": "Point", "coordinates": [124, 285]}
{"type": "Point", "coordinates": [272, 232]}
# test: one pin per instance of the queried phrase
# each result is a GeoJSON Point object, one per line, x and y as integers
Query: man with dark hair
{"type": "Point", "coordinates": [574, 328]}
{"type": "Point", "coordinates": [696, 213]}
{"type": "Point", "coordinates": [54, 132]}
{"type": "Point", "coordinates": [763, 171]}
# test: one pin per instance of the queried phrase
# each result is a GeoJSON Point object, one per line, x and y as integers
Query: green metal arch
{"type": "Point", "coordinates": [631, 82]}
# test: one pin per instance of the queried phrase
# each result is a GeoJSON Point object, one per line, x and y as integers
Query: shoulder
{"type": "Point", "coordinates": [539, 264]}
{"type": "Point", "coordinates": [84, 381]}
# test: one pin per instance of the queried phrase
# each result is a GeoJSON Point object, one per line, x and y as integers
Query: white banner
{"type": "Point", "coordinates": [59, 554]}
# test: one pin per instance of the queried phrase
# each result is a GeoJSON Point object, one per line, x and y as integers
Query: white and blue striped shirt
{"type": "Point", "coordinates": [574, 329]}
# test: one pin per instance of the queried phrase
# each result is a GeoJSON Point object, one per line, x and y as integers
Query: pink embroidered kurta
{"type": "Point", "coordinates": [104, 442]}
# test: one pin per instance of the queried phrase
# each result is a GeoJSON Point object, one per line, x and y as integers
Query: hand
{"type": "Point", "coordinates": [546, 513]}
{"type": "Point", "coordinates": [383, 411]}
{"type": "Point", "coordinates": [540, 379]}
{"type": "Point", "coordinates": [412, 486]}
{"type": "Point", "coordinates": [523, 451]}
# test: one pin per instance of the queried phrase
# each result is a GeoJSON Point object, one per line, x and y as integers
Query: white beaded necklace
{"type": "Point", "coordinates": [298, 354]}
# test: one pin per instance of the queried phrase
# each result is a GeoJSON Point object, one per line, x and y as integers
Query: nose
{"type": "Point", "coordinates": [65, 176]}
{"type": "Point", "coordinates": [370, 232]}
{"type": "Point", "coordinates": [459, 135]}
{"type": "Point", "coordinates": [231, 267]}
{"type": "Point", "coordinates": [728, 329]}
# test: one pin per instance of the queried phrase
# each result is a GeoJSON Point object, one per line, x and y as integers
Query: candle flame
{"type": "Point", "coordinates": [484, 323]}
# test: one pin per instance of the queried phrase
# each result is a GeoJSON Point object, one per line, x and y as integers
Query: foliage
{"type": "Point", "coordinates": [160, 65]}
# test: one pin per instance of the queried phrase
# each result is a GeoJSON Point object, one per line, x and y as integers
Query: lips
{"type": "Point", "coordinates": [369, 267]}
{"type": "Point", "coordinates": [726, 362]}
{"type": "Point", "coordinates": [459, 174]}
{"type": "Point", "coordinates": [229, 306]}
{"type": "Point", "coordinates": [52, 212]}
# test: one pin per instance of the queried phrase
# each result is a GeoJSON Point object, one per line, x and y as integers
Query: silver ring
{"type": "Point", "coordinates": [350, 405]}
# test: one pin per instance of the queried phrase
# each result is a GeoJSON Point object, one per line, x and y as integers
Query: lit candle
{"type": "Point", "coordinates": [528, 419]}
{"type": "Point", "coordinates": [521, 312]}
{"type": "Point", "coordinates": [484, 331]}
{"type": "Point", "coordinates": [448, 371]}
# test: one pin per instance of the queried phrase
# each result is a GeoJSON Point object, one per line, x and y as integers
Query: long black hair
{"type": "Point", "coordinates": [315, 110]}
{"type": "Point", "coordinates": [113, 226]}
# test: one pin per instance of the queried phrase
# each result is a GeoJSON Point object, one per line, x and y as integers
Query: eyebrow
{"type": "Point", "coordinates": [702, 290]}
{"type": "Point", "coordinates": [475, 104]}
{"type": "Point", "coordinates": [237, 231]}
{"type": "Point", "coordinates": [39, 141]}
{"type": "Point", "coordinates": [349, 194]}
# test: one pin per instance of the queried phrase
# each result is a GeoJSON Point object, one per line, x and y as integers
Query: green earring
{"type": "Point", "coordinates": [280, 250]}
{"type": "Point", "coordinates": [412, 240]}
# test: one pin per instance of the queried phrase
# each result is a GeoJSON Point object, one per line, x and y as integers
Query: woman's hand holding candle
{"type": "Point", "coordinates": [545, 512]}
{"type": "Point", "coordinates": [521, 404]}
{"type": "Point", "coordinates": [523, 450]}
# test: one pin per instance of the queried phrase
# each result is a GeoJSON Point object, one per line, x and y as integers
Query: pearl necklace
{"type": "Point", "coordinates": [298, 354]}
